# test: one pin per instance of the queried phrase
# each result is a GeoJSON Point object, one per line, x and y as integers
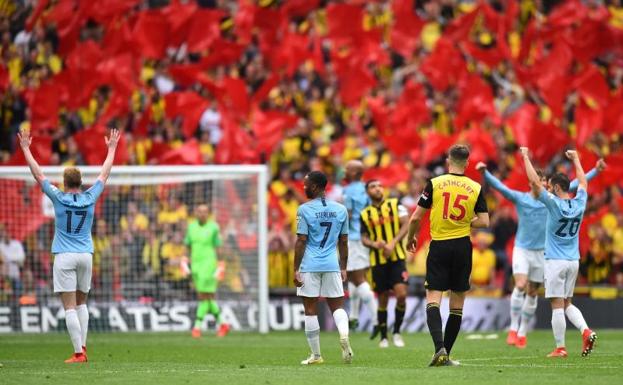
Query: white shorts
{"type": "Point", "coordinates": [72, 271]}
{"type": "Point", "coordinates": [358, 256]}
{"type": "Point", "coordinates": [529, 262]}
{"type": "Point", "coordinates": [560, 276]}
{"type": "Point", "coordinates": [328, 285]}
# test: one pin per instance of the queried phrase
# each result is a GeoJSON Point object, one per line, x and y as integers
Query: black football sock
{"type": "Point", "coordinates": [433, 319]}
{"type": "Point", "coordinates": [381, 315]}
{"type": "Point", "coordinates": [453, 326]}
{"type": "Point", "coordinates": [399, 316]}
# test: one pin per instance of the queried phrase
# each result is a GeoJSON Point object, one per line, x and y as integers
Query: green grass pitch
{"type": "Point", "coordinates": [247, 358]}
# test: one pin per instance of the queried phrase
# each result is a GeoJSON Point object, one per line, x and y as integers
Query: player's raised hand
{"type": "Point", "coordinates": [524, 151]}
{"type": "Point", "coordinates": [572, 154]}
{"type": "Point", "coordinates": [601, 165]}
{"type": "Point", "coordinates": [481, 166]}
{"type": "Point", "coordinates": [113, 139]}
{"type": "Point", "coordinates": [24, 138]}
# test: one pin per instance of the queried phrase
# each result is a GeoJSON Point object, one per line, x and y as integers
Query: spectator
{"type": "Point", "coordinates": [483, 260]}
{"type": "Point", "coordinates": [13, 256]}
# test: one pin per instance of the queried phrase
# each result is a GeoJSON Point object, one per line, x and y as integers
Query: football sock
{"type": "Point", "coordinates": [527, 312]}
{"type": "Point", "coordinates": [517, 298]}
{"type": "Point", "coordinates": [312, 332]}
{"type": "Point", "coordinates": [83, 318]}
{"type": "Point", "coordinates": [381, 316]}
{"type": "Point", "coordinates": [73, 327]}
{"type": "Point", "coordinates": [341, 322]}
{"type": "Point", "coordinates": [355, 301]}
{"type": "Point", "coordinates": [202, 310]}
{"type": "Point", "coordinates": [433, 320]}
{"type": "Point", "coordinates": [559, 326]}
{"type": "Point", "coordinates": [453, 326]}
{"type": "Point", "coordinates": [399, 316]}
{"type": "Point", "coordinates": [367, 298]}
{"type": "Point", "coordinates": [575, 316]}
{"type": "Point", "coordinates": [215, 311]}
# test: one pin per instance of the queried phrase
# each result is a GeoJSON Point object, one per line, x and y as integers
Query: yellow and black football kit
{"type": "Point", "coordinates": [382, 223]}
{"type": "Point", "coordinates": [454, 200]}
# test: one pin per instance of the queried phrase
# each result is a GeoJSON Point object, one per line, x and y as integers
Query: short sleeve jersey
{"type": "Point", "coordinates": [355, 200]}
{"type": "Point", "coordinates": [454, 200]}
{"type": "Point", "coordinates": [323, 222]}
{"type": "Point", "coordinates": [203, 239]}
{"type": "Point", "coordinates": [73, 217]}
{"type": "Point", "coordinates": [562, 239]}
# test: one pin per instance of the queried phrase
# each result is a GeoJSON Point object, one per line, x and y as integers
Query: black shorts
{"type": "Point", "coordinates": [384, 277]}
{"type": "Point", "coordinates": [449, 265]}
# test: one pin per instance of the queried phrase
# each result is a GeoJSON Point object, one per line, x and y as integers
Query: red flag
{"type": "Point", "coordinates": [187, 104]}
{"type": "Point", "coordinates": [547, 140]}
{"type": "Point", "coordinates": [591, 84]}
{"type": "Point", "coordinates": [591, 39]}
{"type": "Point", "coordinates": [179, 16]}
{"type": "Point", "coordinates": [236, 145]}
{"type": "Point", "coordinates": [269, 126]}
{"type": "Point", "coordinates": [587, 121]}
{"type": "Point", "coordinates": [41, 149]}
{"type": "Point", "coordinates": [204, 29]}
{"type": "Point", "coordinates": [444, 66]}
{"type": "Point", "coordinates": [318, 57]}
{"type": "Point", "coordinates": [299, 8]}
{"type": "Point", "coordinates": [460, 27]}
{"type": "Point", "coordinates": [69, 33]}
{"type": "Point", "coordinates": [244, 21]}
{"type": "Point", "coordinates": [566, 14]}
{"type": "Point", "coordinates": [118, 38]}
{"type": "Point", "coordinates": [142, 125]}
{"type": "Point", "coordinates": [390, 176]}
{"type": "Point", "coordinates": [235, 96]}
{"type": "Point", "coordinates": [91, 145]}
{"type": "Point", "coordinates": [345, 22]}
{"type": "Point", "coordinates": [118, 106]}
{"type": "Point", "coordinates": [36, 13]}
{"type": "Point", "coordinates": [151, 34]}
{"type": "Point", "coordinates": [188, 153]}
{"type": "Point", "coordinates": [44, 103]}
{"type": "Point", "coordinates": [613, 118]}
{"type": "Point", "coordinates": [522, 122]}
{"type": "Point", "coordinates": [436, 145]}
{"type": "Point", "coordinates": [103, 11]}
{"type": "Point", "coordinates": [517, 179]}
{"type": "Point", "coordinates": [475, 103]}
{"type": "Point", "coordinates": [355, 84]}
{"type": "Point", "coordinates": [482, 145]}
{"type": "Point", "coordinates": [291, 53]}
{"type": "Point", "coordinates": [61, 13]}
{"type": "Point", "coordinates": [405, 32]}
{"type": "Point", "coordinates": [4, 78]}
{"type": "Point", "coordinates": [262, 92]}
{"type": "Point", "coordinates": [118, 72]}
{"type": "Point", "coordinates": [18, 197]}
{"type": "Point", "coordinates": [613, 174]}
{"type": "Point", "coordinates": [185, 74]}
{"type": "Point", "coordinates": [222, 52]}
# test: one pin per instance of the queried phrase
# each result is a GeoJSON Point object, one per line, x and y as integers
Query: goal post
{"type": "Point", "coordinates": [138, 232]}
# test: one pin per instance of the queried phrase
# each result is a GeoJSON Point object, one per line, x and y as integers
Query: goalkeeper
{"type": "Point", "coordinates": [203, 238]}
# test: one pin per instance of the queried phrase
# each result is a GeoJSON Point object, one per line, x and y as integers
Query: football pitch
{"type": "Point", "coordinates": [247, 358]}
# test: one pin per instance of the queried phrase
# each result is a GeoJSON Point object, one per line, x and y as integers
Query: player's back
{"type": "Point", "coordinates": [74, 214]}
{"type": "Point", "coordinates": [454, 202]}
{"type": "Point", "coordinates": [563, 225]}
{"type": "Point", "coordinates": [532, 219]}
{"type": "Point", "coordinates": [323, 221]}
{"type": "Point", "coordinates": [355, 200]}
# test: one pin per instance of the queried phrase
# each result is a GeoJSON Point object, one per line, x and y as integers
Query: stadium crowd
{"type": "Point", "coordinates": [308, 85]}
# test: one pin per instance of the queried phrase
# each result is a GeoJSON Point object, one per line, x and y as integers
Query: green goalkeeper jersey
{"type": "Point", "coordinates": [203, 241]}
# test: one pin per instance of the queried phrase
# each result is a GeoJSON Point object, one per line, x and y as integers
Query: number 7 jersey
{"type": "Point", "coordinates": [454, 200]}
{"type": "Point", "coordinates": [323, 222]}
{"type": "Point", "coordinates": [562, 239]}
{"type": "Point", "coordinates": [73, 218]}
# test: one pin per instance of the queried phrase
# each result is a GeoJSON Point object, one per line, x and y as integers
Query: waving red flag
{"type": "Point", "coordinates": [355, 84]}
{"type": "Point", "coordinates": [436, 145]}
{"type": "Point", "coordinates": [187, 104]}
{"type": "Point", "coordinates": [262, 92]}
{"type": "Point", "coordinates": [151, 34]}
{"type": "Point", "coordinates": [299, 8]}
{"type": "Point", "coordinates": [591, 84]}
{"type": "Point", "coordinates": [405, 32]}
{"type": "Point", "coordinates": [444, 66]}
{"type": "Point", "coordinates": [204, 29]}
{"type": "Point", "coordinates": [41, 149]}
{"type": "Point", "coordinates": [222, 52]}
{"type": "Point", "coordinates": [547, 140]}
{"type": "Point", "coordinates": [522, 123]}
{"type": "Point", "coordinates": [235, 97]}
{"type": "Point", "coordinates": [36, 13]}
{"type": "Point", "coordinates": [587, 121]}
{"type": "Point", "coordinates": [179, 17]}
{"type": "Point", "coordinates": [91, 145]}
{"type": "Point", "coordinates": [345, 22]}
{"type": "Point", "coordinates": [236, 146]}
{"type": "Point", "coordinates": [269, 127]}
{"type": "Point", "coordinates": [613, 118]}
{"type": "Point", "coordinates": [188, 153]}
{"type": "Point", "coordinates": [44, 103]}
{"type": "Point", "coordinates": [390, 176]}
{"type": "Point", "coordinates": [475, 103]}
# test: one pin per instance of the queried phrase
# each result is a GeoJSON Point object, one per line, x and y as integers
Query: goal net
{"type": "Point", "coordinates": [141, 277]}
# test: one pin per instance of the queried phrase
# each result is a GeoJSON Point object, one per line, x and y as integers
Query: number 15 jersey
{"type": "Point", "coordinates": [74, 218]}
{"type": "Point", "coordinates": [323, 222]}
{"type": "Point", "coordinates": [454, 200]}
{"type": "Point", "coordinates": [562, 239]}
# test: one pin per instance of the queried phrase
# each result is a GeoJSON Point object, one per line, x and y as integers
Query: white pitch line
{"type": "Point", "coordinates": [527, 357]}
{"type": "Point", "coordinates": [539, 366]}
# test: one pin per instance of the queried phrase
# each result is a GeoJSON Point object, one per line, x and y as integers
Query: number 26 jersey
{"type": "Point", "coordinates": [454, 200]}
{"type": "Point", "coordinates": [562, 239]}
{"type": "Point", "coordinates": [323, 222]}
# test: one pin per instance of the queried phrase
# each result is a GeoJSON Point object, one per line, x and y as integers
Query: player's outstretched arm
{"type": "Point", "coordinates": [415, 222]}
{"type": "Point", "coordinates": [24, 141]}
{"type": "Point", "coordinates": [111, 143]}
{"type": "Point", "coordinates": [579, 171]}
{"type": "Point", "coordinates": [599, 167]}
{"type": "Point", "coordinates": [533, 177]}
{"type": "Point", "coordinates": [299, 251]}
{"type": "Point", "coordinates": [510, 194]}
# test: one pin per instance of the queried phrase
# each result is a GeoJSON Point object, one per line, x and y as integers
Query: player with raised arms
{"type": "Point", "coordinates": [72, 246]}
{"type": "Point", "coordinates": [562, 249]}
{"type": "Point", "coordinates": [322, 230]}
{"type": "Point", "coordinates": [456, 205]}
{"type": "Point", "coordinates": [528, 252]}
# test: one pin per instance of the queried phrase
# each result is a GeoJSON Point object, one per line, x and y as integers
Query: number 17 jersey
{"type": "Point", "coordinates": [454, 200]}
{"type": "Point", "coordinates": [562, 239]}
{"type": "Point", "coordinates": [323, 222]}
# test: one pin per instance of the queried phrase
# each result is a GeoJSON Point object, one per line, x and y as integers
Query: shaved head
{"type": "Point", "coordinates": [354, 170]}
